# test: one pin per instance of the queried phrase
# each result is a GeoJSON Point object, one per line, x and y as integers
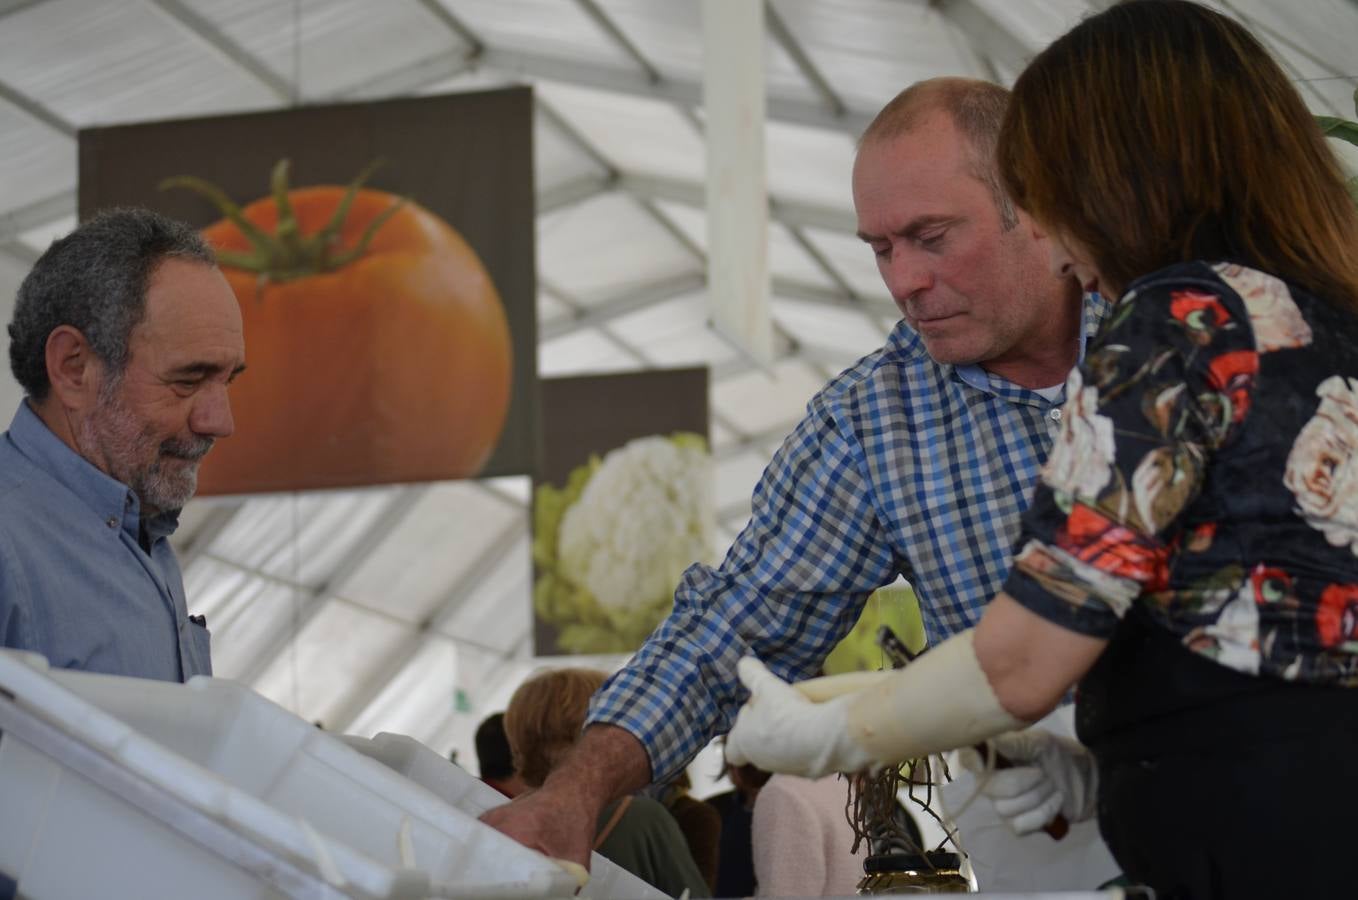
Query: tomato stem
{"type": "Point", "coordinates": [287, 254]}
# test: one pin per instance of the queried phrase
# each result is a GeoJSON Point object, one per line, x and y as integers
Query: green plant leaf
{"type": "Point", "coordinates": [1342, 129]}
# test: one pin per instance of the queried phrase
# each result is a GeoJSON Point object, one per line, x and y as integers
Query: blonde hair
{"type": "Point", "coordinates": [545, 716]}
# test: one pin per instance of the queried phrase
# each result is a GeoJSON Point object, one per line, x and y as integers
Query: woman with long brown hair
{"type": "Point", "coordinates": [1190, 557]}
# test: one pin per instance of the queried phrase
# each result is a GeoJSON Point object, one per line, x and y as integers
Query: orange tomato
{"type": "Point", "coordinates": [394, 366]}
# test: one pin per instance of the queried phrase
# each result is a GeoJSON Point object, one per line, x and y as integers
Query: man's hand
{"type": "Point", "coordinates": [560, 818]}
{"type": "Point", "coordinates": [553, 820]}
{"type": "Point", "coordinates": [1051, 775]}
{"type": "Point", "coordinates": [780, 730]}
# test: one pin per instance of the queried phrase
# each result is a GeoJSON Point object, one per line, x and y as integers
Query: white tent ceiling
{"type": "Point", "coordinates": [408, 608]}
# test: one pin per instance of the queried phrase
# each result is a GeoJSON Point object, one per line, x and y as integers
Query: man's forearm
{"type": "Point", "coordinates": [559, 819]}
{"type": "Point", "coordinates": [607, 762]}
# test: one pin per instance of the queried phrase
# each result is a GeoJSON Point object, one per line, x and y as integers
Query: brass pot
{"type": "Point", "coordinates": [934, 872]}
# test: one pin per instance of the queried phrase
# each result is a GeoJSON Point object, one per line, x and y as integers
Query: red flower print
{"type": "Point", "coordinates": [1198, 311]}
{"type": "Point", "coordinates": [1270, 585]}
{"type": "Point", "coordinates": [1233, 374]}
{"type": "Point", "coordinates": [1337, 617]}
{"type": "Point", "coordinates": [1093, 538]}
{"type": "Point", "coordinates": [1200, 540]}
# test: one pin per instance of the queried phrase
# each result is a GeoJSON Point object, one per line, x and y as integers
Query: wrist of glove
{"type": "Point", "coordinates": [1051, 775]}
{"type": "Point", "coordinates": [940, 702]}
{"type": "Point", "coordinates": [779, 729]}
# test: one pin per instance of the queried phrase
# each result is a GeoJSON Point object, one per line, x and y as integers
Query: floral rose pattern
{"type": "Point", "coordinates": [1093, 538]}
{"type": "Point", "coordinates": [1269, 584]}
{"type": "Point", "coordinates": [1337, 617]}
{"type": "Point", "coordinates": [1081, 460]}
{"type": "Point", "coordinates": [1163, 483]}
{"type": "Point", "coordinates": [1201, 313]}
{"type": "Point", "coordinates": [1076, 582]}
{"type": "Point", "coordinates": [1233, 638]}
{"type": "Point", "coordinates": [1231, 375]}
{"type": "Point", "coordinates": [1278, 323]}
{"type": "Point", "coordinates": [1322, 469]}
{"type": "Point", "coordinates": [1212, 423]}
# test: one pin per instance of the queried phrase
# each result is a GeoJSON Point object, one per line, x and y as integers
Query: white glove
{"type": "Point", "coordinates": [1051, 775]}
{"type": "Point", "coordinates": [780, 730]}
{"type": "Point", "coordinates": [940, 702]}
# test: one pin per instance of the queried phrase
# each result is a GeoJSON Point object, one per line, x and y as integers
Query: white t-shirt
{"type": "Point", "coordinates": [1050, 393]}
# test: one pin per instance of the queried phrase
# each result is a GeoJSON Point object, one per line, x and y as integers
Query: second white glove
{"type": "Point", "coordinates": [1051, 775]}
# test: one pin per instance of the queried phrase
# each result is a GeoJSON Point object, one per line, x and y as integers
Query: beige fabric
{"type": "Point", "coordinates": [828, 687]}
{"type": "Point", "coordinates": [941, 701]}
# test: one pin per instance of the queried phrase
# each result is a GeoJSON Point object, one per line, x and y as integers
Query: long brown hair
{"type": "Point", "coordinates": [1160, 132]}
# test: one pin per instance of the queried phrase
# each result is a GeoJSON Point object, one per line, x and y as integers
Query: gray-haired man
{"type": "Point", "coordinates": [125, 338]}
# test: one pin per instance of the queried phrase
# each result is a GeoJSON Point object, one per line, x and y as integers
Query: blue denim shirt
{"type": "Point", "coordinates": [75, 584]}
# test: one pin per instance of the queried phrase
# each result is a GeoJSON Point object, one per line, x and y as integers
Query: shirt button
{"type": "Point", "coordinates": [112, 522]}
{"type": "Point", "coordinates": [1055, 414]}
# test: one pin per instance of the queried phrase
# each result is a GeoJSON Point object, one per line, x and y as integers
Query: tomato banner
{"type": "Point", "coordinates": [382, 255]}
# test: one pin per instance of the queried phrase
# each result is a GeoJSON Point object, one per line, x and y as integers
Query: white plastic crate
{"type": "Point", "coordinates": [456, 786]}
{"type": "Point", "coordinates": [122, 787]}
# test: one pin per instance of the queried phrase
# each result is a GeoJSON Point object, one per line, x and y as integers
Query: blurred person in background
{"type": "Point", "coordinates": [735, 858]}
{"type": "Point", "coordinates": [543, 722]}
{"type": "Point", "coordinates": [699, 821]}
{"type": "Point", "coordinates": [802, 841]}
{"type": "Point", "coordinates": [494, 758]}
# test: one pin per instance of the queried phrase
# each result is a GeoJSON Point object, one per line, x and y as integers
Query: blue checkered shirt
{"type": "Point", "coordinates": [902, 466]}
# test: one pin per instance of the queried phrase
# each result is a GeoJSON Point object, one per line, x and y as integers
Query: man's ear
{"type": "Point", "coordinates": [72, 368]}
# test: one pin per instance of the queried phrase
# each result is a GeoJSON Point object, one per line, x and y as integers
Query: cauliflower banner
{"type": "Point", "coordinates": [627, 512]}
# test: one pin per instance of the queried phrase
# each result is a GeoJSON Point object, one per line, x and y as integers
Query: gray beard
{"type": "Point", "coordinates": [135, 458]}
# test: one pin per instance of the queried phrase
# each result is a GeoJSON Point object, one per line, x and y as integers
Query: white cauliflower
{"type": "Point", "coordinates": [644, 516]}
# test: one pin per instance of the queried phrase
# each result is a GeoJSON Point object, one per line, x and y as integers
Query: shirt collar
{"type": "Point", "coordinates": [1092, 313]}
{"type": "Point", "coordinates": [161, 525]}
{"type": "Point", "coordinates": [108, 497]}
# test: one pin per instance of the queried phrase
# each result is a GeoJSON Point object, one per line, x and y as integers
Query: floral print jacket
{"type": "Point", "coordinates": [1207, 467]}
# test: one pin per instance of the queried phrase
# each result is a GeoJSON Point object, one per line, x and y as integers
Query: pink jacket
{"type": "Point", "coordinates": [801, 839]}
